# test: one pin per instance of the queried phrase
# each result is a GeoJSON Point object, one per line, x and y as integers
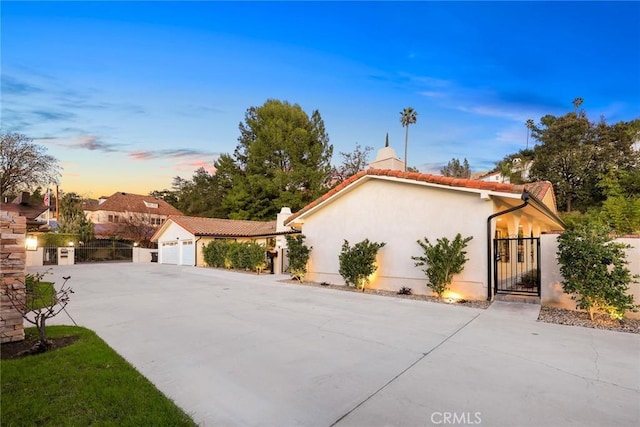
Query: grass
{"type": "Point", "coordinates": [40, 294]}
{"type": "Point", "coordinates": [85, 383]}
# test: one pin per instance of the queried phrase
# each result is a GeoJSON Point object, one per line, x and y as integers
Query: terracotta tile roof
{"type": "Point", "coordinates": [537, 189]}
{"type": "Point", "coordinates": [224, 227]}
{"type": "Point", "coordinates": [126, 202]}
{"type": "Point", "coordinates": [29, 211]}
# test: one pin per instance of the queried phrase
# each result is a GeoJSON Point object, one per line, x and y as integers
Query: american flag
{"type": "Point", "coordinates": [46, 201]}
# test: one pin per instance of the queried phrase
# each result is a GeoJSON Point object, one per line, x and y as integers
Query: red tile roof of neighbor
{"type": "Point", "coordinates": [126, 202]}
{"type": "Point", "coordinates": [224, 227]}
{"type": "Point", "coordinates": [536, 189]}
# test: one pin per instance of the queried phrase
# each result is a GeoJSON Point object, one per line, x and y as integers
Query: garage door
{"type": "Point", "coordinates": [169, 253]}
{"type": "Point", "coordinates": [187, 253]}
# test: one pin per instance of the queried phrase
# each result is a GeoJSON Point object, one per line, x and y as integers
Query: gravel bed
{"type": "Point", "coordinates": [461, 303]}
{"type": "Point", "coordinates": [547, 314]}
{"type": "Point", "coordinates": [579, 318]}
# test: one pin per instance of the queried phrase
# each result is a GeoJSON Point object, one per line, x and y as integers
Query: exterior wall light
{"type": "Point", "coordinates": [71, 244]}
{"type": "Point", "coordinates": [31, 243]}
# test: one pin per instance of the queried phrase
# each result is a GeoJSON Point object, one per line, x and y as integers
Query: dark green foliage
{"type": "Point", "coordinates": [248, 256]}
{"type": "Point", "coordinates": [72, 219]}
{"type": "Point", "coordinates": [529, 279]}
{"type": "Point", "coordinates": [619, 210]}
{"type": "Point", "coordinates": [456, 169]}
{"type": "Point", "coordinates": [405, 291]}
{"type": "Point", "coordinates": [202, 195]}
{"type": "Point", "coordinates": [215, 253]}
{"type": "Point", "coordinates": [358, 263]}
{"type": "Point", "coordinates": [282, 159]}
{"type": "Point", "coordinates": [57, 239]}
{"type": "Point", "coordinates": [594, 270]}
{"type": "Point", "coordinates": [298, 256]}
{"type": "Point", "coordinates": [442, 261]}
{"type": "Point", "coordinates": [574, 153]}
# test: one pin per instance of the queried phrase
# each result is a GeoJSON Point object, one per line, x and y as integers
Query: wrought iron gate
{"type": "Point", "coordinates": [104, 250]}
{"type": "Point", "coordinates": [516, 266]}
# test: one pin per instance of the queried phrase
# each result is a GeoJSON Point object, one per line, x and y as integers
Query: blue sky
{"type": "Point", "coordinates": [128, 95]}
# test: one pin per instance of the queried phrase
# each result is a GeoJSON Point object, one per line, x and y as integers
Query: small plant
{"type": "Point", "coordinates": [594, 270]}
{"type": "Point", "coordinates": [529, 279]}
{"type": "Point", "coordinates": [298, 257]}
{"type": "Point", "coordinates": [442, 261]}
{"type": "Point", "coordinates": [357, 263]}
{"type": "Point", "coordinates": [40, 302]}
{"type": "Point", "coordinates": [404, 291]}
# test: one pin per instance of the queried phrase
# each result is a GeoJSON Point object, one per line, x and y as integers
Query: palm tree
{"type": "Point", "coordinates": [529, 125]}
{"type": "Point", "coordinates": [408, 116]}
{"type": "Point", "coordinates": [577, 103]}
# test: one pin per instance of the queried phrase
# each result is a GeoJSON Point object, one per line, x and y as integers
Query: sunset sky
{"type": "Point", "coordinates": [129, 95]}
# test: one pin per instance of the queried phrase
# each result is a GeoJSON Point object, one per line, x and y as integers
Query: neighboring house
{"type": "Point", "coordinates": [399, 208]}
{"type": "Point", "coordinates": [128, 216]}
{"type": "Point", "coordinates": [181, 238]}
{"type": "Point", "coordinates": [39, 217]}
{"type": "Point", "coordinates": [494, 177]}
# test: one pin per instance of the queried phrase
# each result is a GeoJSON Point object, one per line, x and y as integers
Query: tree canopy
{"type": "Point", "coordinates": [574, 153]}
{"type": "Point", "coordinates": [456, 169]}
{"type": "Point", "coordinates": [282, 159]}
{"type": "Point", "coordinates": [24, 165]}
{"type": "Point", "coordinates": [72, 219]}
{"type": "Point", "coordinates": [354, 162]}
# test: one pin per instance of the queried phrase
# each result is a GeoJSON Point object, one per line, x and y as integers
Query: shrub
{"type": "Point", "coordinates": [529, 279]}
{"type": "Point", "coordinates": [593, 270]}
{"type": "Point", "coordinates": [357, 263]}
{"type": "Point", "coordinates": [215, 253]}
{"type": "Point", "coordinates": [404, 291]}
{"type": "Point", "coordinates": [298, 256]}
{"type": "Point", "coordinates": [239, 255]}
{"type": "Point", "coordinates": [442, 261]}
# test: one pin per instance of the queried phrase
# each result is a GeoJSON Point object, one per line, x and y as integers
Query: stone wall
{"type": "Point", "coordinates": [12, 272]}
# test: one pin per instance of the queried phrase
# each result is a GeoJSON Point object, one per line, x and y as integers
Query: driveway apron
{"type": "Point", "coordinates": [237, 349]}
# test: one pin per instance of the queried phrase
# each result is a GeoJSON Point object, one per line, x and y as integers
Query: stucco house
{"type": "Point", "coordinates": [128, 216]}
{"type": "Point", "coordinates": [399, 208]}
{"type": "Point", "coordinates": [181, 238]}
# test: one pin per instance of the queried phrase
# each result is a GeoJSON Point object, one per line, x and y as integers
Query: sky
{"type": "Point", "coordinates": [128, 95]}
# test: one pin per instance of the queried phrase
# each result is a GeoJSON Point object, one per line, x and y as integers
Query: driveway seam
{"type": "Point", "coordinates": [424, 355]}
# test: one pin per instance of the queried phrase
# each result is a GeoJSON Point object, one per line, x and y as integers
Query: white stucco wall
{"type": "Point", "coordinates": [34, 258]}
{"type": "Point", "coordinates": [551, 293]}
{"type": "Point", "coordinates": [399, 214]}
{"type": "Point", "coordinates": [173, 233]}
{"type": "Point", "coordinates": [142, 254]}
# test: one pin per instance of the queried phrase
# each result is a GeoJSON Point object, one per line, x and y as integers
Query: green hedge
{"type": "Point", "coordinates": [236, 255]}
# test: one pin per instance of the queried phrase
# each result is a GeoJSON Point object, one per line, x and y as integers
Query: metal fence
{"type": "Point", "coordinates": [516, 267]}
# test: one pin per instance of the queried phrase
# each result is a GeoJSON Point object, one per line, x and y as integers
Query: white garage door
{"type": "Point", "coordinates": [169, 253]}
{"type": "Point", "coordinates": [187, 253]}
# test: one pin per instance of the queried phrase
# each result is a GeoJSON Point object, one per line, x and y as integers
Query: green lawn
{"type": "Point", "coordinates": [86, 383]}
{"type": "Point", "coordinates": [40, 294]}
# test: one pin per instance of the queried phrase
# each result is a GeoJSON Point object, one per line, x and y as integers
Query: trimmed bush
{"type": "Point", "coordinates": [442, 261]}
{"type": "Point", "coordinates": [357, 263]}
{"type": "Point", "coordinates": [594, 270]}
{"type": "Point", "coordinates": [237, 255]}
{"type": "Point", "coordinates": [298, 257]}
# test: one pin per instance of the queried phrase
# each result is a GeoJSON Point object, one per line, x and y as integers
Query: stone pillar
{"type": "Point", "coordinates": [12, 274]}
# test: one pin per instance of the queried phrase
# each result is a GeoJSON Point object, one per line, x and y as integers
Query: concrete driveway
{"type": "Point", "coordinates": [238, 349]}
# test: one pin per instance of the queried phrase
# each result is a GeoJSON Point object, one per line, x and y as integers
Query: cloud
{"type": "Point", "coordinates": [87, 142]}
{"type": "Point", "coordinates": [170, 153]}
{"type": "Point", "coordinates": [13, 86]}
{"type": "Point", "coordinates": [53, 115]}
